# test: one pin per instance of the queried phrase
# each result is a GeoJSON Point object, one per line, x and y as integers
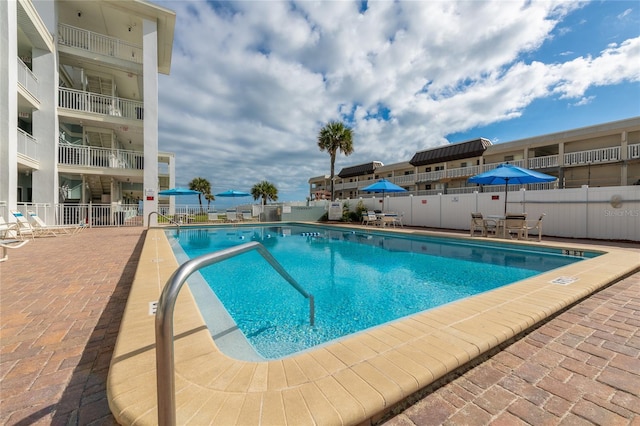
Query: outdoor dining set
{"type": "Point", "coordinates": [511, 225]}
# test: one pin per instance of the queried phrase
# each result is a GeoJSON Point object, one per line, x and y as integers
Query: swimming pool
{"type": "Point", "coordinates": [360, 278]}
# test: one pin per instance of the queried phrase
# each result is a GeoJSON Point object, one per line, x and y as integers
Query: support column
{"type": "Point", "coordinates": [8, 106]}
{"type": "Point", "coordinates": [150, 86]}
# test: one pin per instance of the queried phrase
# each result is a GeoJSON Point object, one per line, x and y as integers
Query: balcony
{"type": "Point", "coordinates": [593, 156]}
{"type": "Point", "coordinates": [633, 151]}
{"type": "Point", "coordinates": [27, 145]}
{"type": "Point", "coordinates": [27, 79]}
{"type": "Point", "coordinates": [88, 102]}
{"type": "Point", "coordinates": [89, 156]}
{"type": "Point", "coordinates": [95, 43]}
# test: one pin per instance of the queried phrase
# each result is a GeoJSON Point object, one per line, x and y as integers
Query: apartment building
{"type": "Point", "coordinates": [601, 155]}
{"type": "Point", "coordinates": [79, 102]}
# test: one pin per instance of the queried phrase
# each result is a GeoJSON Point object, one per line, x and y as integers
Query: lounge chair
{"type": "Point", "coordinates": [515, 224]}
{"type": "Point", "coordinates": [23, 227]}
{"type": "Point", "coordinates": [7, 229]}
{"type": "Point", "coordinates": [535, 227]}
{"type": "Point", "coordinates": [43, 229]}
{"type": "Point", "coordinates": [10, 244]}
{"type": "Point", "coordinates": [248, 217]}
{"type": "Point", "coordinates": [232, 216]}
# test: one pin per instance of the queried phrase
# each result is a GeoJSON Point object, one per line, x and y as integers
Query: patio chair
{"type": "Point", "coordinates": [10, 244]}
{"type": "Point", "coordinates": [370, 218]}
{"type": "Point", "coordinates": [537, 226]}
{"type": "Point", "coordinates": [515, 224]}
{"type": "Point", "coordinates": [23, 227]}
{"type": "Point", "coordinates": [485, 226]}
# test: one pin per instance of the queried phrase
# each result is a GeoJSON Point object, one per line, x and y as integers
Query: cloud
{"type": "Point", "coordinates": [253, 82]}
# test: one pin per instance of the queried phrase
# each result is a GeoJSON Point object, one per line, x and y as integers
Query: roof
{"type": "Point", "coordinates": [360, 169]}
{"type": "Point", "coordinates": [473, 148]}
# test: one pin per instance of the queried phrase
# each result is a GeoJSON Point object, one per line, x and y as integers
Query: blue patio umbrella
{"type": "Point", "coordinates": [383, 186]}
{"type": "Point", "coordinates": [508, 174]}
{"type": "Point", "coordinates": [231, 193]}
{"type": "Point", "coordinates": [178, 191]}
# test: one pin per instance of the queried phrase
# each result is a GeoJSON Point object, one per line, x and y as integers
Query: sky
{"type": "Point", "coordinates": [253, 82]}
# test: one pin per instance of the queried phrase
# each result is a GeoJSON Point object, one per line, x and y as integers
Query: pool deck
{"type": "Point", "coordinates": [62, 302]}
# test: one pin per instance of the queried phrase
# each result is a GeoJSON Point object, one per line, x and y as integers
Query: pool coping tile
{"type": "Point", "coordinates": [350, 381]}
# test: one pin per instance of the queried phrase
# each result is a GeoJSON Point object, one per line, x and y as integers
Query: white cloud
{"type": "Point", "coordinates": [252, 82]}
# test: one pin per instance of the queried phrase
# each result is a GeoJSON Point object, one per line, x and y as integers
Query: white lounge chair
{"type": "Point", "coordinates": [248, 217]}
{"type": "Point", "coordinates": [7, 230]}
{"type": "Point", "coordinates": [232, 216]}
{"type": "Point", "coordinates": [23, 227]}
{"type": "Point", "coordinates": [43, 229]}
{"type": "Point", "coordinates": [10, 244]}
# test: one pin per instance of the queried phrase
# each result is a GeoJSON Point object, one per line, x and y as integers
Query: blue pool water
{"type": "Point", "coordinates": [359, 279]}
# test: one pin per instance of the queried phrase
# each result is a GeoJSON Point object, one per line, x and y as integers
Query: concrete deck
{"type": "Point", "coordinates": [62, 300]}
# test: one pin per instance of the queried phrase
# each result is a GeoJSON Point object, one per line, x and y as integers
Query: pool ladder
{"type": "Point", "coordinates": [164, 319]}
{"type": "Point", "coordinates": [161, 215]}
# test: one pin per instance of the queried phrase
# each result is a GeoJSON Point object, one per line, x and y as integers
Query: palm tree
{"type": "Point", "coordinates": [266, 190]}
{"type": "Point", "coordinates": [202, 186]}
{"type": "Point", "coordinates": [334, 137]}
{"type": "Point", "coordinates": [209, 197]}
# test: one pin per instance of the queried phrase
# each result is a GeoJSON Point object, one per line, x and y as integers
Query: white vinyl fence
{"type": "Point", "coordinates": [607, 213]}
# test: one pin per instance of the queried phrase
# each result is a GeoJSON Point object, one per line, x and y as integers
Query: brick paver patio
{"type": "Point", "coordinates": [62, 298]}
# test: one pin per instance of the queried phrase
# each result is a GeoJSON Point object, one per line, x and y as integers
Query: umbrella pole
{"type": "Point", "coordinates": [506, 185]}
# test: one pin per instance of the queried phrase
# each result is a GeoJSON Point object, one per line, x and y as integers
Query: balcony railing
{"type": "Point", "coordinates": [27, 79]}
{"type": "Point", "coordinates": [431, 176]}
{"type": "Point", "coordinates": [78, 100]}
{"type": "Point", "coordinates": [544, 162]}
{"type": "Point", "coordinates": [27, 145]}
{"type": "Point", "coordinates": [89, 156]}
{"type": "Point", "coordinates": [633, 151]}
{"type": "Point", "coordinates": [601, 155]}
{"type": "Point", "coordinates": [98, 43]}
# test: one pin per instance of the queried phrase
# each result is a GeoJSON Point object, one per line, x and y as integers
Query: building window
{"type": "Point", "coordinates": [427, 169]}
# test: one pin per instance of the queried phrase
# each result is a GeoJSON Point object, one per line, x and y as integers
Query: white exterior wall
{"type": "Point", "coordinates": [150, 84]}
{"type": "Point", "coordinates": [8, 104]}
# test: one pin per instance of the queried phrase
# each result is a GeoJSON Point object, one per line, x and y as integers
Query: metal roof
{"type": "Point", "coordinates": [457, 151]}
{"type": "Point", "coordinates": [360, 169]}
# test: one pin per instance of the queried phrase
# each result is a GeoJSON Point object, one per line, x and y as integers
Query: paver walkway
{"type": "Point", "coordinates": [61, 301]}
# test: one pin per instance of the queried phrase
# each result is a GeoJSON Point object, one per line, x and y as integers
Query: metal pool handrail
{"type": "Point", "coordinates": [164, 319]}
{"type": "Point", "coordinates": [168, 218]}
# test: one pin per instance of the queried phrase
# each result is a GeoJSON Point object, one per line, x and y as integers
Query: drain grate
{"type": "Point", "coordinates": [564, 280]}
{"type": "Point", "coordinates": [153, 307]}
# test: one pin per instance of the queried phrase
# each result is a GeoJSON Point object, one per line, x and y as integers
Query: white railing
{"type": "Point", "coordinates": [544, 162]}
{"type": "Point", "coordinates": [431, 176]}
{"type": "Point", "coordinates": [463, 171]}
{"type": "Point", "coordinates": [633, 151]}
{"type": "Point", "coordinates": [78, 100]}
{"type": "Point", "coordinates": [27, 79]}
{"type": "Point", "coordinates": [27, 144]}
{"type": "Point", "coordinates": [600, 155]}
{"type": "Point", "coordinates": [404, 179]}
{"type": "Point", "coordinates": [87, 214]}
{"type": "Point", "coordinates": [98, 43]}
{"type": "Point", "coordinates": [89, 156]}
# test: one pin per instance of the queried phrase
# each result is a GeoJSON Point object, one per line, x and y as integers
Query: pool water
{"type": "Point", "coordinates": [360, 279]}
